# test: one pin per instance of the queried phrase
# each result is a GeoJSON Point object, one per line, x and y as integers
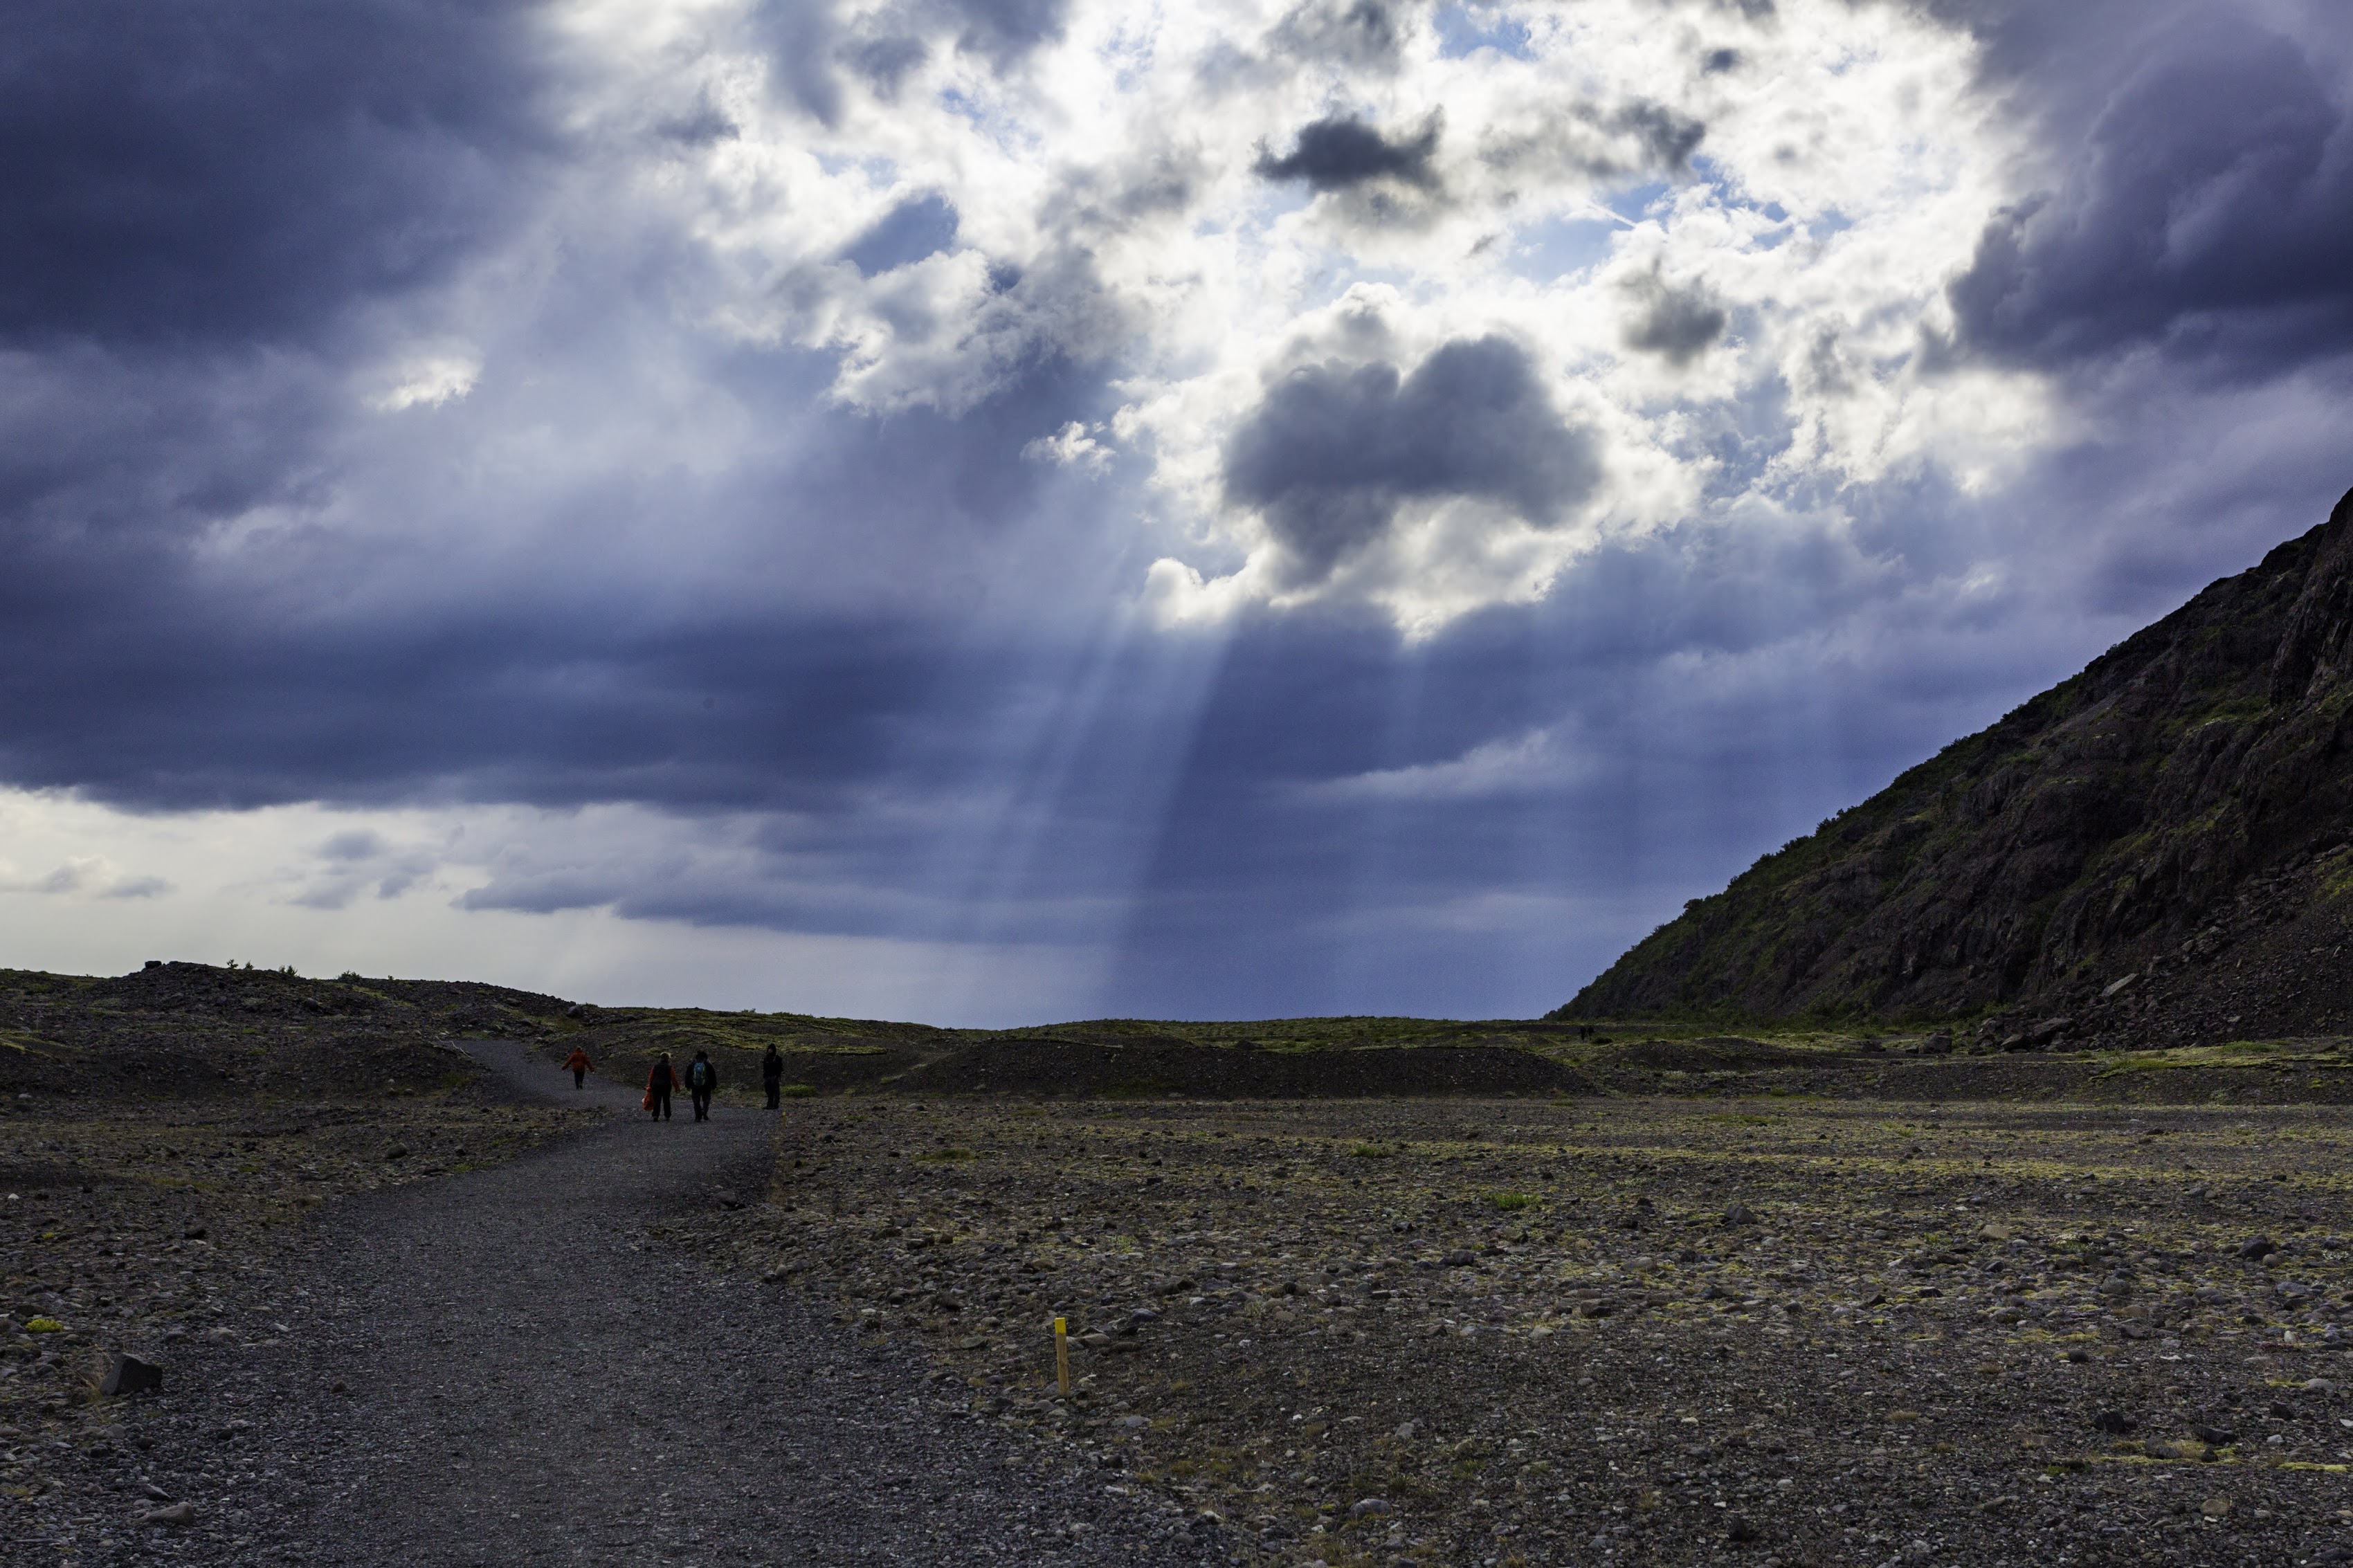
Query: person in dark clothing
{"type": "Point", "coordinates": [772, 1075]}
{"type": "Point", "coordinates": [658, 1083]}
{"type": "Point", "coordinates": [702, 1079]}
{"type": "Point", "coordinates": [579, 1064]}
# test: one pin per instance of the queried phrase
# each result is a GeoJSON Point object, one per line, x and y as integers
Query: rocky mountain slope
{"type": "Point", "coordinates": [2155, 851]}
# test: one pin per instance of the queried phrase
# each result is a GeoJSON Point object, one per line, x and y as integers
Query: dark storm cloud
{"type": "Point", "coordinates": [135, 668]}
{"type": "Point", "coordinates": [246, 169]}
{"type": "Point", "coordinates": [1341, 151]}
{"type": "Point", "coordinates": [2207, 207]}
{"type": "Point", "coordinates": [1333, 450]}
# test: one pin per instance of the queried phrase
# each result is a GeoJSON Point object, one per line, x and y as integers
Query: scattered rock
{"type": "Point", "coordinates": [2215, 1507]}
{"type": "Point", "coordinates": [1740, 1213]}
{"type": "Point", "coordinates": [179, 1515]}
{"type": "Point", "coordinates": [2114, 1423]}
{"type": "Point", "coordinates": [2258, 1248]}
{"type": "Point", "coordinates": [127, 1373]}
{"type": "Point", "coordinates": [1371, 1505]}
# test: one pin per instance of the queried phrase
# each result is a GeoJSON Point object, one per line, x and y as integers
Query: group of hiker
{"type": "Point", "coordinates": [701, 1082]}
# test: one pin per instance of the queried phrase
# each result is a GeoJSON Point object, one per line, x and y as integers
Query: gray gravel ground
{"type": "Point", "coordinates": [499, 1368]}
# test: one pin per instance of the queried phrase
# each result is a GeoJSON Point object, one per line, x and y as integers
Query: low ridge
{"type": "Point", "coordinates": [2155, 851]}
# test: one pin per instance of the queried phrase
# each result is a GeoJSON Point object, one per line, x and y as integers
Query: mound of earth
{"type": "Point", "coordinates": [1062, 1066]}
{"type": "Point", "coordinates": [2156, 849]}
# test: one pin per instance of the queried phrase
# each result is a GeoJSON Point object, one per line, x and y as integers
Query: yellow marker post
{"type": "Point", "coordinates": [1062, 1354]}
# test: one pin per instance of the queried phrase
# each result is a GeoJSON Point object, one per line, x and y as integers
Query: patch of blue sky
{"type": "Point", "coordinates": [1633, 203]}
{"type": "Point", "coordinates": [1466, 29]}
{"type": "Point", "coordinates": [1006, 130]}
{"type": "Point", "coordinates": [1558, 247]}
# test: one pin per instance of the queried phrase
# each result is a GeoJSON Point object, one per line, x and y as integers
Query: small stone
{"type": "Point", "coordinates": [1371, 1505]}
{"type": "Point", "coordinates": [1737, 1528]}
{"type": "Point", "coordinates": [1740, 1213]}
{"type": "Point", "coordinates": [2079, 1356]}
{"type": "Point", "coordinates": [1996, 1232]}
{"type": "Point", "coordinates": [180, 1515]}
{"type": "Point", "coordinates": [127, 1374]}
{"type": "Point", "coordinates": [1132, 1423]}
{"type": "Point", "coordinates": [2318, 1386]}
{"type": "Point", "coordinates": [2215, 1507]}
{"type": "Point", "coordinates": [2258, 1248]}
{"type": "Point", "coordinates": [396, 1151]}
{"type": "Point", "coordinates": [2214, 1436]}
{"type": "Point", "coordinates": [154, 1493]}
{"type": "Point", "coordinates": [2114, 1423]}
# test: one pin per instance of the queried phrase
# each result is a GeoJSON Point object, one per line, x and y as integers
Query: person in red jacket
{"type": "Point", "coordinates": [579, 1063]}
{"type": "Point", "coordinates": [658, 1083]}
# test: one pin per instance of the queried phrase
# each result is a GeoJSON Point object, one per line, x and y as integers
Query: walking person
{"type": "Point", "coordinates": [701, 1077]}
{"type": "Point", "coordinates": [578, 1064]}
{"type": "Point", "coordinates": [658, 1083]}
{"type": "Point", "coordinates": [772, 1075]}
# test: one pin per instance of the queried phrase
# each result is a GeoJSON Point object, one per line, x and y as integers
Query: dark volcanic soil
{"type": "Point", "coordinates": [1624, 1331]}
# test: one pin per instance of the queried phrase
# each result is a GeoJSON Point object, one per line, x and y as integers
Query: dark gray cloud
{"type": "Point", "coordinates": [1340, 152]}
{"type": "Point", "coordinates": [806, 41]}
{"type": "Point", "coordinates": [1670, 138]}
{"type": "Point", "coordinates": [1333, 450]}
{"type": "Point", "coordinates": [1360, 33]}
{"type": "Point", "coordinates": [1676, 322]}
{"type": "Point", "coordinates": [248, 169]}
{"type": "Point", "coordinates": [2207, 208]}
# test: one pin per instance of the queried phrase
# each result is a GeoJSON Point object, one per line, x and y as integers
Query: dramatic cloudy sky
{"type": "Point", "coordinates": [1004, 510]}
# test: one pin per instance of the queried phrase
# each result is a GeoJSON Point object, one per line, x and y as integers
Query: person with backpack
{"type": "Point", "coordinates": [658, 1083]}
{"type": "Point", "coordinates": [577, 1064]}
{"type": "Point", "coordinates": [702, 1079]}
{"type": "Point", "coordinates": [772, 1075]}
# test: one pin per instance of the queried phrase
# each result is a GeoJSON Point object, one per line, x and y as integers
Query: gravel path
{"type": "Point", "coordinates": [497, 1369]}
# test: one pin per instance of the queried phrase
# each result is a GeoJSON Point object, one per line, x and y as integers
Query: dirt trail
{"type": "Point", "coordinates": [497, 1369]}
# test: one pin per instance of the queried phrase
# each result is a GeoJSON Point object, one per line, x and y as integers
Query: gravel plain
{"type": "Point", "coordinates": [1626, 1332]}
{"type": "Point", "coordinates": [450, 1325]}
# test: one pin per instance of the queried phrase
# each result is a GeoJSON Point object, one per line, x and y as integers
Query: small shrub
{"type": "Point", "coordinates": [798, 1091]}
{"type": "Point", "coordinates": [1510, 1201]}
{"type": "Point", "coordinates": [1369, 1152]}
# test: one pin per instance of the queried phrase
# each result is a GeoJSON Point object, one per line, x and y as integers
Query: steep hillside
{"type": "Point", "coordinates": [2154, 849]}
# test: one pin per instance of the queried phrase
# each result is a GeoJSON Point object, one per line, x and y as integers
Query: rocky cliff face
{"type": "Point", "coordinates": [2156, 848]}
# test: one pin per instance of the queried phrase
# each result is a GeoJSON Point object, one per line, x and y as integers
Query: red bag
{"type": "Point", "coordinates": [646, 1103]}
